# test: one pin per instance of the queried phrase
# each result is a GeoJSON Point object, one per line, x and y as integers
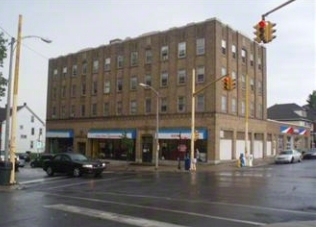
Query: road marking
{"type": "Point", "coordinates": [161, 209]}
{"type": "Point", "coordinates": [111, 216]}
{"type": "Point", "coordinates": [39, 180]}
{"type": "Point", "coordinates": [211, 203]}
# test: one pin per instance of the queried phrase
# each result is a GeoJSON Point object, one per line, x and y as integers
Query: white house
{"type": "Point", "coordinates": [30, 131]}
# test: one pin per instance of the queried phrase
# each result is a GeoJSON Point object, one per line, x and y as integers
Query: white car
{"type": "Point", "coordinates": [288, 156]}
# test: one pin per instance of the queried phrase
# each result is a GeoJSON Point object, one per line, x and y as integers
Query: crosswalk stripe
{"type": "Point", "coordinates": [111, 216]}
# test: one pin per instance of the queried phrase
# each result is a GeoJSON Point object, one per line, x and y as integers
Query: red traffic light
{"type": "Point", "coordinates": [262, 24]}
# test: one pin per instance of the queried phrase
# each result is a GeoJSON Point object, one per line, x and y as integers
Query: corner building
{"type": "Point", "coordinates": [95, 98]}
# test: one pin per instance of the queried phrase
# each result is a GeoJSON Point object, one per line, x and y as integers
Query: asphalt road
{"type": "Point", "coordinates": [237, 198]}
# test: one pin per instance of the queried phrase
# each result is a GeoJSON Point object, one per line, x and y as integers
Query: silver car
{"type": "Point", "coordinates": [288, 156]}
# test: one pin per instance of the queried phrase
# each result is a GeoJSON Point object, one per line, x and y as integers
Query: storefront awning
{"type": "Point", "coordinates": [59, 134]}
{"type": "Point", "coordinates": [112, 134]}
{"type": "Point", "coordinates": [182, 133]}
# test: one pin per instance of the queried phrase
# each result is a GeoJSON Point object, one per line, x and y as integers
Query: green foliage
{"type": "Point", "coordinates": [3, 55]}
{"type": "Point", "coordinates": [128, 144]}
{"type": "Point", "coordinates": [312, 100]}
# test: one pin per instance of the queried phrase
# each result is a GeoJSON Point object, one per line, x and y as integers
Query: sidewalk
{"type": "Point", "coordinates": [172, 166]}
{"type": "Point", "coordinates": [293, 224]}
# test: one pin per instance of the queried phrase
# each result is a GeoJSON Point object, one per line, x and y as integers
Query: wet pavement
{"type": "Point", "coordinates": [226, 175]}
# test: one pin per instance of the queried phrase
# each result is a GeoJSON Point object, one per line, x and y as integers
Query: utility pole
{"type": "Point", "coordinates": [13, 145]}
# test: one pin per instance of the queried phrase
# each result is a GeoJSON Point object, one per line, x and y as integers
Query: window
{"type": "Point", "coordinates": [94, 87]}
{"type": "Point", "coordinates": [182, 50]}
{"type": "Point", "coordinates": [148, 56]}
{"type": "Point", "coordinates": [94, 109]}
{"type": "Point", "coordinates": [259, 110]}
{"type": "Point", "coordinates": [120, 61]}
{"type": "Point", "coordinates": [134, 58]}
{"type": "Point", "coordinates": [74, 70]}
{"type": "Point", "coordinates": [223, 46]}
{"type": "Point", "coordinates": [32, 131]}
{"type": "Point", "coordinates": [84, 68]}
{"type": "Point", "coordinates": [107, 64]}
{"type": "Point", "coordinates": [164, 105]}
{"type": "Point", "coordinates": [243, 108]}
{"type": "Point", "coordinates": [200, 107]}
{"type": "Point", "coordinates": [72, 111]}
{"type": "Point", "coordinates": [251, 60]}
{"type": "Point", "coordinates": [31, 144]}
{"type": "Point", "coordinates": [83, 88]}
{"type": "Point", "coordinates": [54, 92]}
{"type": "Point", "coordinates": [259, 64]}
{"type": "Point", "coordinates": [106, 109]}
{"type": "Point", "coordinates": [200, 74]}
{"type": "Point", "coordinates": [181, 104]}
{"type": "Point", "coordinates": [148, 105]}
{"type": "Point", "coordinates": [73, 90]}
{"type": "Point", "coordinates": [95, 66]}
{"type": "Point", "coordinates": [133, 84]}
{"type": "Point", "coordinates": [223, 71]}
{"type": "Point", "coordinates": [164, 53]}
{"type": "Point", "coordinates": [243, 82]}
{"type": "Point", "coordinates": [21, 127]}
{"type": "Point", "coordinates": [233, 50]}
{"type": "Point", "coordinates": [64, 72]}
{"type": "Point", "coordinates": [181, 76]}
{"type": "Point", "coordinates": [252, 84]}
{"type": "Point", "coordinates": [164, 79]}
{"type": "Point", "coordinates": [259, 88]}
{"type": "Point", "coordinates": [107, 87]}
{"type": "Point", "coordinates": [251, 109]}
{"type": "Point", "coordinates": [243, 55]}
{"type": "Point", "coordinates": [82, 110]}
{"type": "Point", "coordinates": [23, 136]}
{"type": "Point", "coordinates": [234, 105]}
{"type": "Point", "coordinates": [224, 103]}
{"type": "Point", "coordinates": [119, 108]}
{"type": "Point", "coordinates": [63, 111]}
{"type": "Point", "coordinates": [119, 84]}
{"type": "Point", "coordinates": [200, 46]}
{"type": "Point", "coordinates": [55, 72]}
{"type": "Point", "coordinates": [63, 91]}
{"type": "Point", "coordinates": [32, 118]}
{"type": "Point", "coordinates": [148, 79]}
{"type": "Point", "coordinates": [133, 107]}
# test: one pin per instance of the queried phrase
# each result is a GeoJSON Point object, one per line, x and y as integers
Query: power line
{"type": "Point", "coordinates": [33, 50]}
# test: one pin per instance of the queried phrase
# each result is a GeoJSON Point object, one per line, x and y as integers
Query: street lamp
{"type": "Point", "coordinates": [8, 107]}
{"type": "Point", "coordinates": [157, 121]}
{"type": "Point", "coordinates": [15, 98]}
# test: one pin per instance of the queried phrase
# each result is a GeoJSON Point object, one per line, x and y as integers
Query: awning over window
{"type": "Point", "coordinates": [59, 134]}
{"type": "Point", "coordinates": [181, 133]}
{"type": "Point", "coordinates": [112, 134]}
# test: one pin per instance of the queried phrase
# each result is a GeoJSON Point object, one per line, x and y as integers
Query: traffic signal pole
{"type": "Point", "coordinates": [275, 9]}
{"type": "Point", "coordinates": [194, 93]}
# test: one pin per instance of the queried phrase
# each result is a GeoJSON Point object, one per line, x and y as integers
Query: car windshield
{"type": "Point", "coordinates": [286, 152]}
{"type": "Point", "coordinates": [78, 157]}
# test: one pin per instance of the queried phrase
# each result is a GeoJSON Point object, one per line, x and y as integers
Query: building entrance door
{"type": "Point", "coordinates": [147, 148]}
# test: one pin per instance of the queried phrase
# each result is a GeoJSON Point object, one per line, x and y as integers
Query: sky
{"type": "Point", "coordinates": [73, 25]}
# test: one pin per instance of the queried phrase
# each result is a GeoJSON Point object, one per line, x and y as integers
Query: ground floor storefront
{"type": "Point", "coordinates": [215, 143]}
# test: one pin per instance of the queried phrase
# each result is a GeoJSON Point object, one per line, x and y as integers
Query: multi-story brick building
{"type": "Point", "coordinates": [94, 97]}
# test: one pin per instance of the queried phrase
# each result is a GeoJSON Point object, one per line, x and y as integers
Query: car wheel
{"type": "Point", "coordinates": [50, 171]}
{"type": "Point", "coordinates": [292, 160]}
{"type": "Point", "coordinates": [76, 172]}
{"type": "Point", "coordinates": [32, 165]}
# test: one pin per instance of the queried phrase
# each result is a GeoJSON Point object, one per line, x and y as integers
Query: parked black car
{"type": "Point", "coordinates": [38, 161]}
{"type": "Point", "coordinates": [73, 164]}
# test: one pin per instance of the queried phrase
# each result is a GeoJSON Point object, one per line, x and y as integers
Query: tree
{"type": "Point", "coordinates": [3, 55]}
{"type": "Point", "coordinates": [312, 100]}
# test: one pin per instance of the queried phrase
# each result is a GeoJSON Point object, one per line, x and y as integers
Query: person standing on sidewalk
{"type": "Point", "coordinates": [195, 158]}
